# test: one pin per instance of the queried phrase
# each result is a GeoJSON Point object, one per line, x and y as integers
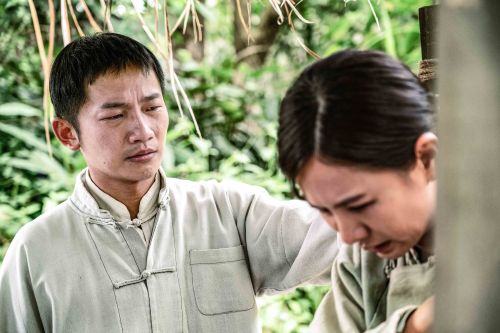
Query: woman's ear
{"type": "Point", "coordinates": [66, 133]}
{"type": "Point", "coordinates": [426, 148]}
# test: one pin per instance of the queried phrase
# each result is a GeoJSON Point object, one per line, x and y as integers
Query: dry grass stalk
{"type": "Point", "coordinates": [291, 4]}
{"type": "Point", "coordinates": [246, 27]}
{"type": "Point", "coordinates": [174, 80]}
{"type": "Point", "coordinates": [38, 34]}
{"type": "Point", "coordinates": [289, 7]}
{"type": "Point", "coordinates": [295, 34]}
{"type": "Point", "coordinates": [249, 16]}
{"type": "Point", "coordinates": [280, 6]}
{"type": "Point", "coordinates": [190, 7]}
{"type": "Point", "coordinates": [75, 20]}
{"type": "Point", "coordinates": [106, 14]}
{"type": "Point", "coordinates": [169, 60]}
{"type": "Point", "coordinates": [45, 66]}
{"type": "Point", "coordinates": [156, 20]}
{"type": "Point", "coordinates": [47, 108]}
{"type": "Point", "coordinates": [90, 17]}
{"type": "Point", "coordinates": [65, 28]}
{"type": "Point", "coordinates": [276, 4]}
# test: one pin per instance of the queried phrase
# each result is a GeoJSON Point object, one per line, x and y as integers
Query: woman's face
{"type": "Point", "coordinates": [386, 212]}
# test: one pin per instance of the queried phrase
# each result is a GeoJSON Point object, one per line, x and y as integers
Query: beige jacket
{"type": "Point", "coordinates": [214, 247]}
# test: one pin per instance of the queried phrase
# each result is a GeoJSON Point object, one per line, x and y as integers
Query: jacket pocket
{"type": "Point", "coordinates": [221, 281]}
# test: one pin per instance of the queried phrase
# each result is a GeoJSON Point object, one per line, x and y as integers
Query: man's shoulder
{"type": "Point", "coordinates": [177, 185]}
{"type": "Point", "coordinates": [44, 226]}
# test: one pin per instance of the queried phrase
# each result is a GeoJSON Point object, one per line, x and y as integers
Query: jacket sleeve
{"type": "Point", "coordinates": [354, 302]}
{"type": "Point", "coordinates": [18, 307]}
{"type": "Point", "coordinates": [287, 243]}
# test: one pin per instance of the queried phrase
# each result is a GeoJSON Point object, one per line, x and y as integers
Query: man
{"type": "Point", "coordinates": [132, 250]}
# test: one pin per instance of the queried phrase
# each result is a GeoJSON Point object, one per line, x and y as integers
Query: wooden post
{"type": "Point", "coordinates": [428, 39]}
{"type": "Point", "coordinates": [427, 17]}
{"type": "Point", "coordinates": [468, 223]}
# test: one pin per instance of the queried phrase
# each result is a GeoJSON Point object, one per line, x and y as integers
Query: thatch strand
{"type": "Point", "coordinates": [65, 28]}
{"type": "Point", "coordinates": [75, 20]}
{"type": "Point", "coordinates": [296, 35]}
{"type": "Point", "coordinates": [283, 8]}
{"type": "Point", "coordinates": [90, 17]}
{"type": "Point", "coordinates": [246, 26]}
{"type": "Point", "coordinates": [106, 14]}
{"type": "Point", "coordinates": [174, 80]}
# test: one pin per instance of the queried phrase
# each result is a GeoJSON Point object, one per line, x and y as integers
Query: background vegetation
{"type": "Point", "coordinates": [234, 90]}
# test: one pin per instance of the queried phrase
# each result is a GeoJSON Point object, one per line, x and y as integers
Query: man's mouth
{"type": "Point", "coordinates": [142, 155]}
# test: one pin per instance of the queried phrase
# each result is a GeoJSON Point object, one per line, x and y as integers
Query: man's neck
{"type": "Point", "coordinates": [128, 193]}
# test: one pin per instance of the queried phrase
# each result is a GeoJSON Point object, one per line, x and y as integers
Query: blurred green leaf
{"type": "Point", "coordinates": [19, 110]}
{"type": "Point", "coordinates": [24, 136]}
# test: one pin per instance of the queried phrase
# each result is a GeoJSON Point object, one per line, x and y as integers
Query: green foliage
{"type": "Point", "coordinates": [30, 181]}
{"type": "Point", "coordinates": [20, 69]}
{"type": "Point", "coordinates": [290, 313]}
{"type": "Point", "coordinates": [236, 107]}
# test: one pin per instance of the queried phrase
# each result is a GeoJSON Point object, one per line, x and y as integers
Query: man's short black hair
{"type": "Point", "coordinates": [82, 61]}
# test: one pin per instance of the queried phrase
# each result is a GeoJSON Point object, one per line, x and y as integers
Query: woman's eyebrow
{"type": "Point", "coordinates": [349, 200]}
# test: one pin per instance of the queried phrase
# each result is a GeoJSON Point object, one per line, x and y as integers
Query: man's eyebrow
{"type": "Point", "coordinates": [349, 200]}
{"type": "Point", "coordinates": [112, 105]}
{"type": "Point", "coordinates": [150, 97]}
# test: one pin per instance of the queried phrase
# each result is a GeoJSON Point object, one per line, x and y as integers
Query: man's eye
{"type": "Point", "coordinates": [116, 116]}
{"type": "Point", "coordinates": [361, 207]}
{"type": "Point", "coordinates": [153, 108]}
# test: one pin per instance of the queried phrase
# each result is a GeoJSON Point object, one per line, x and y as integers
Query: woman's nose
{"type": "Point", "coordinates": [352, 232]}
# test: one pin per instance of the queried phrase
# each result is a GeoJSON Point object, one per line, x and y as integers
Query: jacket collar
{"type": "Point", "coordinates": [87, 205]}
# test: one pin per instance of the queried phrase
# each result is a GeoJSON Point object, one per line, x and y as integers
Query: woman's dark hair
{"type": "Point", "coordinates": [354, 107]}
{"type": "Point", "coordinates": [82, 61]}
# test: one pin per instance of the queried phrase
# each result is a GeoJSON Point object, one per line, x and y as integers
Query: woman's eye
{"type": "Point", "coordinates": [325, 211]}
{"type": "Point", "coordinates": [361, 207]}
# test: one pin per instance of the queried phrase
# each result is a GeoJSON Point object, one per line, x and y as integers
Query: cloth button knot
{"type": "Point", "coordinates": [146, 274]}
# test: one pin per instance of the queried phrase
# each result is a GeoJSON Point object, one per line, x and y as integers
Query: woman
{"type": "Point", "coordinates": [356, 135]}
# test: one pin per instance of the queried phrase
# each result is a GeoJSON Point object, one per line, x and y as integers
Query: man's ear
{"type": "Point", "coordinates": [426, 148]}
{"type": "Point", "coordinates": [66, 133]}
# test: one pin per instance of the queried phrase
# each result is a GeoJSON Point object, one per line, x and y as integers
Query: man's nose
{"type": "Point", "coordinates": [141, 128]}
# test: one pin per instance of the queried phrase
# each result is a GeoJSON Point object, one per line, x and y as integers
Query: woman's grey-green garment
{"type": "Point", "coordinates": [213, 248]}
{"type": "Point", "coordinates": [370, 294]}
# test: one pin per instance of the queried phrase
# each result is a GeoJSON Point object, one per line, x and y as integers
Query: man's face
{"type": "Point", "coordinates": [122, 128]}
